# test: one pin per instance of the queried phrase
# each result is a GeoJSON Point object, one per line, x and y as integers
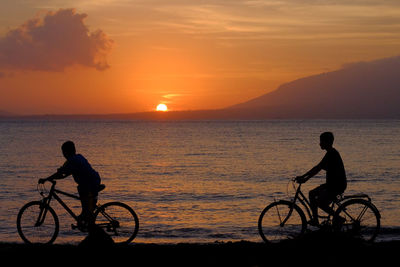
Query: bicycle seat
{"type": "Point", "coordinates": [101, 187]}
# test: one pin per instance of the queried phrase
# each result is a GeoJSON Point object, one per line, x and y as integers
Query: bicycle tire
{"type": "Point", "coordinates": [32, 234]}
{"type": "Point", "coordinates": [270, 225]}
{"type": "Point", "coordinates": [127, 224]}
{"type": "Point", "coordinates": [362, 219]}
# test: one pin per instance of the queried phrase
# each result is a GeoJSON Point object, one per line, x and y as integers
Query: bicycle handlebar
{"type": "Point", "coordinates": [42, 181]}
{"type": "Point", "coordinates": [295, 180]}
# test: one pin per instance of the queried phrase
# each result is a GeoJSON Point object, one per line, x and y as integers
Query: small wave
{"type": "Point", "coordinates": [208, 234]}
{"type": "Point", "coordinates": [385, 236]}
{"type": "Point", "coordinates": [391, 230]}
{"type": "Point", "coordinates": [161, 199]}
{"type": "Point", "coordinates": [224, 236]}
{"type": "Point", "coordinates": [195, 154]}
{"type": "Point", "coordinates": [203, 154]}
{"type": "Point", "coordinates": [185, 232]}
{"type": "Point", "coordinates": [163, 173]}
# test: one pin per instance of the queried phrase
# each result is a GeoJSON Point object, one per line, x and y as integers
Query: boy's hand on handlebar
{"type": "Point", "coordinates": [42, 180]}
{"type": "Point", "coordinates": [300, 179]}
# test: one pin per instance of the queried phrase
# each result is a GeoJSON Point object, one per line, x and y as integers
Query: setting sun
{"type": "Point", "coordinates": [162, 107]}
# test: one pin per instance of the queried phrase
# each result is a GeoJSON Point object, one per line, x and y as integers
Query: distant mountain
{"type": "Point", "coordinates": [359, 90]}
{"type": "Point", "coordinates": [5, 114]}
{"type": "Point", "coordinates": [364, 90]}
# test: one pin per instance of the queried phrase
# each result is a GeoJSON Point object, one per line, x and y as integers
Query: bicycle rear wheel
{"type": "Point", "coordinates": [359, 218]}
{"type": "Point", "coordinates": [37, 224]}
{"type": "Point", "coordinates": [118, 220]}
{"type": "Point", "coordinates": [281, 220]}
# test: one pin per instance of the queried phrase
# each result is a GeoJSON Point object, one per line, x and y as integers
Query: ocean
{"type": "Point", "coordinates": [197, 181]}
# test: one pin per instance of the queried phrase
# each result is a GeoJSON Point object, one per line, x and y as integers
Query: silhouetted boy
{"type": "Point", "coordinates": [336, 182]}
{"type": "Point", "coordinates": [85, 176]}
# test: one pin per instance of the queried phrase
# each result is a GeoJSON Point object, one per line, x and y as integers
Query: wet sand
{"type": "Point", "coordinates": [313, 250]}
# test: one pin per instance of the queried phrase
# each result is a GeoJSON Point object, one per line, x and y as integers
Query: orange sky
{"type": "Point", "coordinates": [187, 54]}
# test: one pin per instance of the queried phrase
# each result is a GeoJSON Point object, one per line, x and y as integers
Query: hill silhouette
{"type": "Point", "coordinates": [358, 90]}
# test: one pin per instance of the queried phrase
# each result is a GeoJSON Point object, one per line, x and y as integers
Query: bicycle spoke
{"type": "Point", "coordinates": [362, 213]}
{"type": "Point", "coordinates": [118, 220]}
{"type": "Point", "coordinates": [280, 221]}
{"type": "Point", "coordinates": [279, 215]}
{"type": "Point", "coordinates": [36, 224]}
{"type": "Point", "coordinates": [361, 219]}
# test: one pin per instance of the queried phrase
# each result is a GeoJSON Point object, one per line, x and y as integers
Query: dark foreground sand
{"type": "Point", "coordinates": [312, 250]}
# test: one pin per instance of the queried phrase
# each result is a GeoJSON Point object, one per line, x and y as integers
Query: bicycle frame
{"type": "Point", "coordinates": [303, 201]}
{"type": "Point", "coordinates": [287, 219]}
{"type": "Point", "coordinates": [53, 194]}
{"type": "Point", "coordinates": [38, 222]}
{"type": "Point", "coordinates": [307, 206]}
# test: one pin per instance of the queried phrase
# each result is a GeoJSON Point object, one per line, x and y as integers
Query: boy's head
{"type": "Point", "coordinates": [326, 140]}
{"type": "Point", "coordinates": [68, 149]}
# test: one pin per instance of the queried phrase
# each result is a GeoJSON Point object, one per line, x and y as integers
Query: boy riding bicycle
{"type": "Point", "coordinates": [85, 176]}
{"type": "Point", "coordinates": [336, 182]}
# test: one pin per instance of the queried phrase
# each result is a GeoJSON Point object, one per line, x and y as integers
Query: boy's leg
{"type": "Point", "coordinates": [313, 196]}
{"type": "Point", "coordinates": [85, 203]}
{"type": "Point", "coordinates": [88, 201]}
{"type": "Point", "coordinates": [92, 200]}
{"type": "Point", "coordinates": [324, 201]}
{"type": "Point", "coordinates": [326, 198]}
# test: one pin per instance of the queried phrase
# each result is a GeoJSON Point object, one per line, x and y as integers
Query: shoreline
{"type": "Point", "coordinates": [312, 250]}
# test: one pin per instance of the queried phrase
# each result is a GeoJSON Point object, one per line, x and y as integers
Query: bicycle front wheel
{"type": "Point", "coordinates": [118, 220]}
{"type": "Point", "coordinates": [37, 223]}
{"type": "Point", "coordinates": [359, 218]}
{"type": "Point", "coordinates": [281, 220]}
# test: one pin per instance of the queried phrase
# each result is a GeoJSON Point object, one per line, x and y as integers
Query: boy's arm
{"type": "Point", "coordinates": [55, 176]}
{"type": "Point", "coordinates": [304, 178]}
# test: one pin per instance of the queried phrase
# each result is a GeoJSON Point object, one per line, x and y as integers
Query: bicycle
{"type": "Point", "coordinates": [354, 215]}
{"type": "Point", "coordinates": [38, 223]}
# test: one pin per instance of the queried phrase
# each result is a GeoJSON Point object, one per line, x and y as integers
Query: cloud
{"type": "Point", "coordinates": [58, 40]}
{"type": "Point", "coordinates": [170, 96]}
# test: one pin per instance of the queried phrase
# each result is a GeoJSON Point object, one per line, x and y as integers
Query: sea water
{"type": "Point", "coordinates": [197, 181]}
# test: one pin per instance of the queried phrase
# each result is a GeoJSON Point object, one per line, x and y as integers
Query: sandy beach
{"type": "Point", "coordinates": [312, 250]}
